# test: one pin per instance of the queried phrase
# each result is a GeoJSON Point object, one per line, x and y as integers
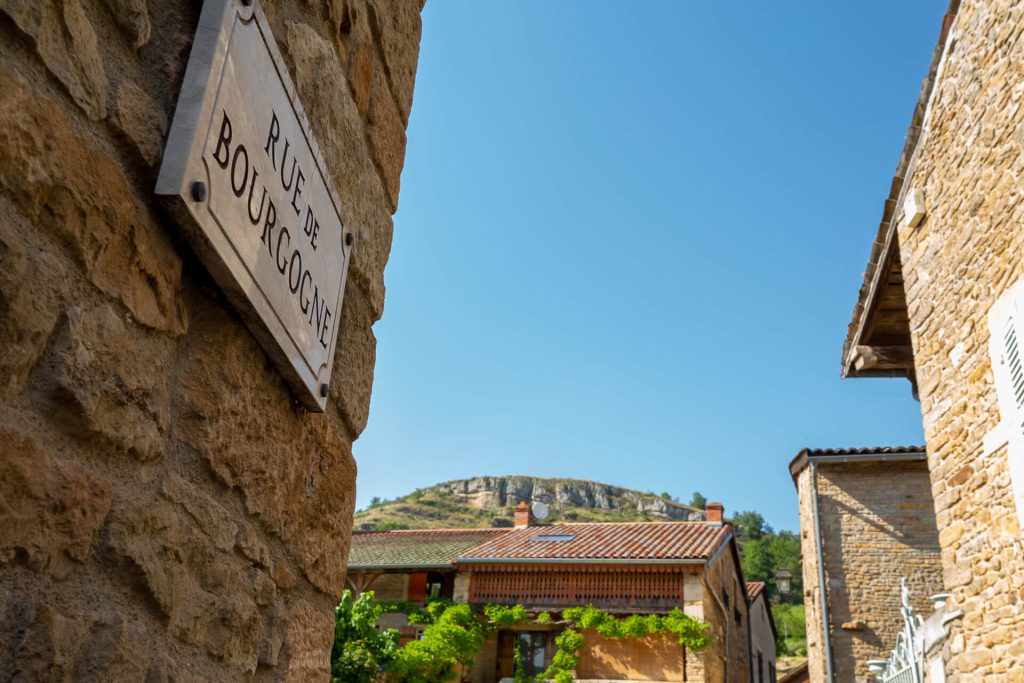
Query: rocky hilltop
{"type": "Point", "coordinates": [489, 501]}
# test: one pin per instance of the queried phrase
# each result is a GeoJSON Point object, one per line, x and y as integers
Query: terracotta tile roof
{"type": "Point", "coordinates": [426, 548]}
{"type": "Point", "coordinates": [629, 541]}
{"type": "Point", "coordinates": [754, 588]}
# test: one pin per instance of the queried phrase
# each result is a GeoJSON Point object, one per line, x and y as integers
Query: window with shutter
{"type": "Point", "coordinates": [1006, 327]}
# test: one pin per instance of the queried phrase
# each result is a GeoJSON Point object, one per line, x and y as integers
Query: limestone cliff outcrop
{"type": "Point", "coordinates": [489, 501]}
{"type": "Point", "coordinates": [562, 494]}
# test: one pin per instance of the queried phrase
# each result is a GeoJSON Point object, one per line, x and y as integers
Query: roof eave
{"type": "Point", "coordinates": [398, 568]}
{"type": "Point", "coordinates": [885, 244]}
{"type": "Point", "coordinates": [805, 457]}
{"type": "Point", "coordinates": [577, 560]}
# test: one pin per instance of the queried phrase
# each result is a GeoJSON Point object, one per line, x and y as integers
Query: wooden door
{"type": "Point", "coordinates": [506, 654]}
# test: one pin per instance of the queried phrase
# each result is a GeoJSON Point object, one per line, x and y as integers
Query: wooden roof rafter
{"type": "Point", "coordinates": [878, 342]}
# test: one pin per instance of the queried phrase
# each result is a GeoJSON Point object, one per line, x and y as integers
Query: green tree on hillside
{"type": "Point", "coordinates": [763, 552]}
{"type": "Point", "coordinates": [698, 501]}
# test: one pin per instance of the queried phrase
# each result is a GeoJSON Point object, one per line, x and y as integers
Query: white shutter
{"type": "Point", "coordinates": [1006, 327]}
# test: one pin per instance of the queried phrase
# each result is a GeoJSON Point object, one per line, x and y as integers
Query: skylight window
{"type": "Point", "coordinates": [554, 538]}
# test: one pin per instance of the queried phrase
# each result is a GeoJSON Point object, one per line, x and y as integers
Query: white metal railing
{"type": "Point", "coordinates": [906, 663]}
{"type": "Point", "coordinates": [920, 640]}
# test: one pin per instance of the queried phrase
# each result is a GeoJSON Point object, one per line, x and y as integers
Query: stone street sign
{"type": "Point", "coordinates": [245, 173]}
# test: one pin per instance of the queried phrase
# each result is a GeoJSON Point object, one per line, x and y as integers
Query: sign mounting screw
{"type": "Point", "coordinates": [348, 239]}
{"type": "Point", "coordinates": [323, 390]}
{"type": "Point", "coordinates": [199, 191]}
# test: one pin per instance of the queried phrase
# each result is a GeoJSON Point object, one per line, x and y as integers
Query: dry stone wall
{"type": "Point", "coordinates": [167, 510]}
{"type": "Point", "coordinates": [956, 263]}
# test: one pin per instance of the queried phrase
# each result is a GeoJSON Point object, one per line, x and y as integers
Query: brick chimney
{"type": "Point", "coordinates": [715, 511]}
{"type": "Point", "coordinates": [524, 516]}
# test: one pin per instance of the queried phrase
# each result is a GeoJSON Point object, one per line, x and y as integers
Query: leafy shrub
{"type": "Point", "coordinates": [360, 650]}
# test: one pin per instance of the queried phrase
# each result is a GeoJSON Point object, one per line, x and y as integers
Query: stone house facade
{"type": "Point", "coordinates": [866, 523]}
{"type": "Point", "coordinates": [167, 510]}
{"type": "Point", "coordinates": [941, 305]}
{"type": "Point", "coordinates": [623, 568]}
{"type": "Point", "coordinates": [762, 634]}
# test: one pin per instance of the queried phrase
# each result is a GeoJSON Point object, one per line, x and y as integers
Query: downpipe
{"type": "Point", "coordinates": [823, 594]}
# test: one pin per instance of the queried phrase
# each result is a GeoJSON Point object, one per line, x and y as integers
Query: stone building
{"type": "Point", "coordinates": [762, 634]}
{"type": "Point", "coordinates": [623, 568]}
{"type": "Point", "coordinates": [866, 523]}
{"type": "Point", "coordinates": [941, 304]}
{"type": "Point", "coordinates": [168, 509]}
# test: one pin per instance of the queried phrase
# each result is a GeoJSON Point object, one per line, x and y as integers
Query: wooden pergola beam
{"type": "Point", "coordinates": [361, 581]}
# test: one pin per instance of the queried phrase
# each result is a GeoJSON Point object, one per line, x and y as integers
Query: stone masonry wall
{"type": "Point", "coordinates": [167, 511]}
{"type": "Point", "coordinates": [809, 566]}
{"type": "Point", "coordinates": [726, 613]}
{"type": "Point", "coordinates": [878, 526]}
{"type": "Point", "coordinates": [967, 251]}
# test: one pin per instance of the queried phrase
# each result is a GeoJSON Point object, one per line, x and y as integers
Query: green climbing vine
{"type": "Point", "coordinates": [691, 633]}
{"type": "Point", "coordinates": [453, 635]}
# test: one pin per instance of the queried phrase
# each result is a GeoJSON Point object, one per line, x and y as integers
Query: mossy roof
{"type": "Point", "coordinates": [414, 549]}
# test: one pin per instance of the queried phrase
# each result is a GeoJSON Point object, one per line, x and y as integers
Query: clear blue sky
{"type": "Point", "coordinates": [629, 241]}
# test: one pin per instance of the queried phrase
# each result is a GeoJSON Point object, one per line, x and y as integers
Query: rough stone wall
{"type": "Point", "coordinates": [956, 263]}
{"type": "Point", "coordinates": [812, 587]}
{"type": "Point", "coordinates": [877, 526]}
{"type": "Point", "coordinates": [728, 656]}
{"type": "Point", "coordinates": [167, 511]}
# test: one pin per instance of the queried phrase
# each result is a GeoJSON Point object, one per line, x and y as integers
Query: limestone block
{"type": "Point", "coordinates": [273, 639]}
{"type": "Point", "coordinates": [116, 650]}
{"type": "Point", "coordinates": [52, 645]}
{"type": "Point", "coordinates": [33, 287]}
{"type": "Point", "coordinates": [293, 468]}
{"type": "Point", "coordinates": [361, 76]}
{"type": "Point", "coordinates": [52, 509]}
{"type": "Point", "coordinates": [398, 27]}
{"type": "Point", "coordinates": [117, 378]}
{"type": "Point", "coordinates": [66, 42]}
{"type": "Point", "coordinates": [82, 196]}
{"type": "Point", "coordinates": [250, 545]}
{"type": "Point", "coordinates": [354, 361]}
{"type": "Point", "coordinates": [207, 595]}
{"type": "Point", "coordinates": [283, 577]}
{"type": "Point", "coordinates": [356, 47]}
{"type": "Point", "coordinates": [212, 517]}
{"type": "Point", "coordinates": [141, 119]}
{"type": "Point", "coordinates": [386, 132]}
{"type": "Point", "coordinates": [132, 17]}
{"type": "Point", "coordinates": [322, 85]}
{"type": "Point", "coordinates": [164, 669]}
{"type": "Point", "coordinates": [308, 644]}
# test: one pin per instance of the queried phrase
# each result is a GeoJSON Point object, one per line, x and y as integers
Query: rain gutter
{"type": "Point", "coordinates": [581, 560]}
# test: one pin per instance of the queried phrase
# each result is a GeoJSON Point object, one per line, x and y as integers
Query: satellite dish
{"type": "Point", "coordinates": [540, 510]}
